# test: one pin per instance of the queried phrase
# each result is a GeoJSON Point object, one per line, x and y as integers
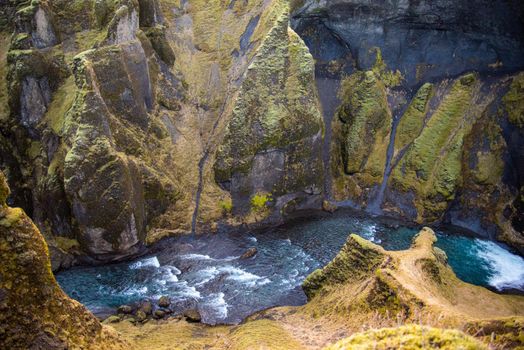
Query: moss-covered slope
{"type": "Point", "coordinates": [273, 137]}
{"type": "Point", "coordinates": [455, 156]}
{"type": "Point", "coordinates": [35, 313]}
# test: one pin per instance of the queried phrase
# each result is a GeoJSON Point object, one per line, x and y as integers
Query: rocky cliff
{"type": "Point", "coordinates": [35, 313]}
{"type": "Point", "coordinates": [426, 124]}
{"type": "Point", "coordinates": [132, 120]}
{"type": "Point", "coordinates": [127, 121]}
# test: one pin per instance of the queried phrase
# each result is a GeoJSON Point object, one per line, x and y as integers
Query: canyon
{"type": "Point", "coordinates": [129, 124]}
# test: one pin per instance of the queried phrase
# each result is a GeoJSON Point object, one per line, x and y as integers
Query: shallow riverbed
{"type": "Point", "coordinates": [208, 273]}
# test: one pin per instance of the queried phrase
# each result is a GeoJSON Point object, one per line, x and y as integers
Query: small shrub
{"type": "Point", "coordinates": [259, 202]}
{"type": "Point", "coordinates": [226, 205]}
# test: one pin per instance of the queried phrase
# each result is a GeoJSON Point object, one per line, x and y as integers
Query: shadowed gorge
{"type": "Point", "coordinates": [266, 174]}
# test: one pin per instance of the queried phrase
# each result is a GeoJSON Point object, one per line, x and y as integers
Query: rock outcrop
{"type": "Point", "coordinates": [364, 278]}
{"type": "Point", "coordinates": [34, 312]}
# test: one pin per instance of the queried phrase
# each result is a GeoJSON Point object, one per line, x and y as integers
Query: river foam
{"type": "Point", "coordinates": [506, 269]}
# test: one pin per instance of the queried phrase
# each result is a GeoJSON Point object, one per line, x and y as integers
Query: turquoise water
{"type": "Point", "coordinates": [208, 274]}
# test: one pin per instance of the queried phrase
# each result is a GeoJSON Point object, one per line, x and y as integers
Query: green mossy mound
{"type": "Point", "coordinates": [357, 259]}
{"type": "Point", "coordinates": [409, 337]}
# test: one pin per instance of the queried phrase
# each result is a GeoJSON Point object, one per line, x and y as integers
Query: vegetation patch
{"type": "Point", "coordinates": [409, 337]}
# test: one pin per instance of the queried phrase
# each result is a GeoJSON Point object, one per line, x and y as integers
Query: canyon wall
{"type": "Point", "coordinates": [132, 120]}
{"type": "Point", "coordinates": [126, 121]}
{"type": "Point", "coordinates": [427, 121]}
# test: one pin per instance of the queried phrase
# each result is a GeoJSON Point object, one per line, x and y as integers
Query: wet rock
{"type": "Point", "coordinates": [329, 207]}
{"type": "Point", "coordinates": [192, 315]}
{"type": "Point", "coordinates": [164, 301]}
{"type": "Point", "coordinates": [140, 316]}
{"type": "Point", "coordinates": [474, 42]}
{"type": "Point", "coordinates": [35, 98]}
{"type": "Point", "coordinates": [159, 314]}
{"type": "Point", "coordinates": [251, 252]}
{"type": "Point", "coordinates": [43, 33]}
{"type": "Point", "coordinates": [146, 307]}
{"type": "Point", "coordinates": [125, 309]}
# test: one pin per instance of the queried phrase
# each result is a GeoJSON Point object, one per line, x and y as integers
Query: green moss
{"type": "Point", "coordinates": [62, 101]}
{"type": "Point", "coordinates": [432, 165]}
{"type": "Point", "coordinates": [260, 201]}
{"type": "Point", "coordinates": [412, 121]}
{"type": "Point", "coordinates": [4, 96]}
{"type": "Point", "coordinates": [226, 206]}
{"type": "Point", "coordinates": [42, 313]}
{"type": "Point", "coordinates": [11, 218]}
{"type": "Point", "coordinates": [514, 101]}
{"type": "Point", "coordinates": [409, 337]}
{"type": "Point", "coordinates": [275, 109]}
{"type": "Point", "coordinates": [4, 190]}
{"type": "Point", "coordinates": [356, 260]}
{"type": "Point", "coordinates": [388, 77]}
{"type": "Point", "coordinates": [364, 127]}
{"type": "Point", "coordinates": [66, 244]}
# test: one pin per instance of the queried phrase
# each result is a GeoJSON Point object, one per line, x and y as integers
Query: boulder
{"type": "Point", "coordinates": [192, 315]}
{"type": "Point", "coordinates": [140, 316]}
{"type": "Point", "coordinates": [164, 301]}
{"type": "Point", "coordinates": [159, 314]}
{"type": "Point", "coordinates": [125, 309]}
{"type": "Point", "coordinates": [251, 252]}
{"type": "Point", "coordinates": [146, 307]}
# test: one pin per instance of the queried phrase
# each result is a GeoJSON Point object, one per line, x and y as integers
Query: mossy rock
{"type": "Point", "coordinates": [357, 259]}
{"type": "Point", "coordinates": [40, 314]}
{"type": "Point", "coordinates": [514, 101]}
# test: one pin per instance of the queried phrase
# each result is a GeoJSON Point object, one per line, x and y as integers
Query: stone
{"type": "Point", "coordinates": [192, 315]}
{"type": "Point", "coordinates": [159, 314]}
{"type": "Point", "coordinates": [164, 301]}
{"type": "Point", "coordinates": [146, 307]}
{"type": "Point", "coordinates": [140, 316]}
{"type": "Point", "coordinates": [251, 252]}
{"type": "Point", "coordinates": [125, 309]}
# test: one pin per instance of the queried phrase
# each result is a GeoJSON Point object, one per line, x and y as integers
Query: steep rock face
{"type": "Point", "coordinates": [35, 313]}
{"type": "Point", "coordinates": [273, 138]}
{"type": "Point", "coordinates": [422, 39]}
{"type": "Point", "coordinates": [117, 108]}
{"type": "Point", "coordinates": [361, 134]}
{"type": "Point", "coordinates": [435, 119]}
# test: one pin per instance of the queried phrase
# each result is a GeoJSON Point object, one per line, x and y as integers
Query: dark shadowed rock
{"type": "Point", "coordinates": [192, 315]}
{"type": "Point", "coordinates": [125, 309]}
{"type": "Point", "coordinates": [164, 301]}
